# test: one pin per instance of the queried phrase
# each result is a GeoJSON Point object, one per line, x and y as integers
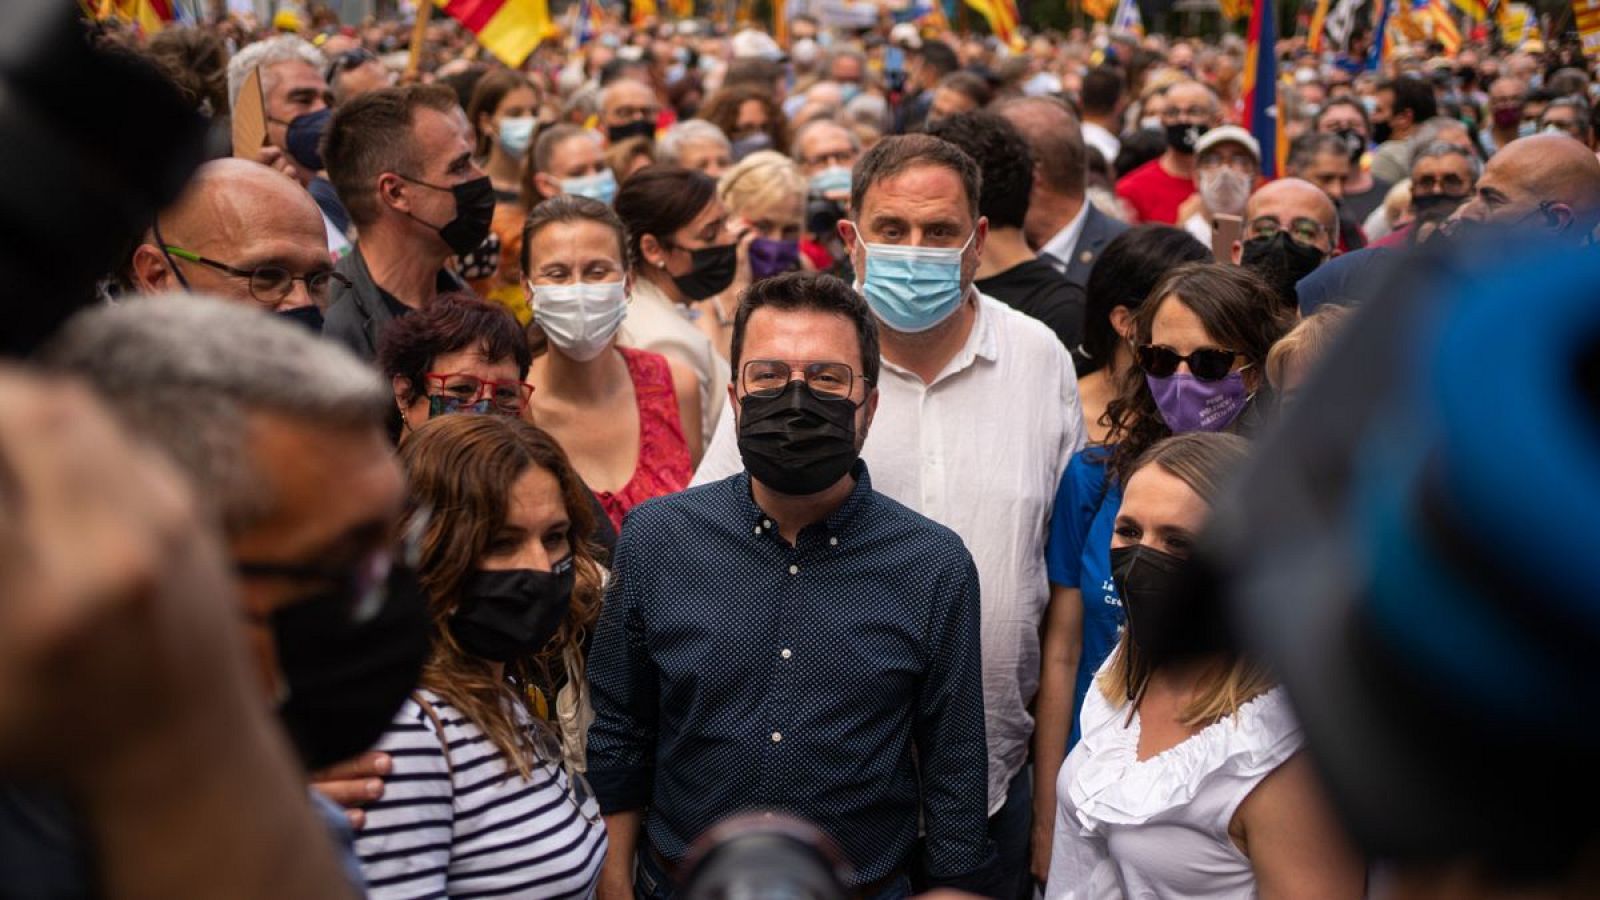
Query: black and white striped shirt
{"type": "Point", "coordinates": [474, 827]}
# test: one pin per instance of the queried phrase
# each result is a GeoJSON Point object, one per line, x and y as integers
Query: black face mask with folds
{"type": "Point", "coordinates": [797, 443]}
{"type": "Point", "coordinates": [1167, 622]}
{"type": "Point", "coordinates": [309, 317]}
{"type": "Point", "coordinates": [303, 139]}
{"type": "Point", "coordinates": [346, 677]}
{"type": "Point", "coordinates": [1182, 136]}
{"type": "Point", "coordinates": [643, 128]}
{"type": "Point", "coordinates": [711, 271]}
{"type": "Point", "coordinates": [509, 614]}
{"type": "Point", "coordinates": [1282, 261]}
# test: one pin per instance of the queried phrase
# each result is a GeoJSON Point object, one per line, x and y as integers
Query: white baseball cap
{"type": "Point", "coordinates": [1228, 134]}
{"type": "Point", "coordinates": [750, 43]}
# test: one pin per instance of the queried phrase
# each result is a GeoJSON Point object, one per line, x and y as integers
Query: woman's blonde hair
{"type": "Point", "coordinates": [462, 467]}
{"type": "Point", "coordinates": [1203, 461]}
{"type": "Point", "coordinates": [1306, 342]}
{"type": "Point", "coordinates": [763, 178]}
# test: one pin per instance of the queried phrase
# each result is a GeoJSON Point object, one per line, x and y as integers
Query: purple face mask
{"type": "Point", "coordinates": [1189, 404]}
{"type": "Point", "coordinates": [769, 257]}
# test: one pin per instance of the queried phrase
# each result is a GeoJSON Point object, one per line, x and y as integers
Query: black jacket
{"type": "Point", "coordinates": [357, 315]}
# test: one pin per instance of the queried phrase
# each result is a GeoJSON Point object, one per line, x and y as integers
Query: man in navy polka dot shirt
{"type": "Point", "coordinates": [789, 639]}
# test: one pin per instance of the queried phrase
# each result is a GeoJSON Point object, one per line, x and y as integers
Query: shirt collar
{"type": "Point", "coordinates": [1066, 240]}
{"type": "Point", "coordinates": [837, 522]}
{"type": "Point", "coordinates": [983, 342]}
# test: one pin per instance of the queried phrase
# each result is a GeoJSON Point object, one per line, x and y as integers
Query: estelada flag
{"type": "Point", "coordinates": [149, 15]}
{"type": "Point", "coordinates": [510, 29]}
{"type": "Point", "coordinates": [1002, 18]}
{"type": "Point", "coordinates": [1261, 90]}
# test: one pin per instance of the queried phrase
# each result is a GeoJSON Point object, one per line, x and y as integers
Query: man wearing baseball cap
{"type": "Point", "coordinates": [1227, 163]}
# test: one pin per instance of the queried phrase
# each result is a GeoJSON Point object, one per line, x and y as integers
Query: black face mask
{"type": "Point", "coordinates": [346, 678]}
{"type": "Point", "coordinates": [711, 271]}
{"type": "Point", "coordinates": [1181, 137]}
{"type": "Point", "coordinates": [304, 138]}
{"type": "Point", "coordinates": [307, 316]}
{"type": "Point", "coordinates": [511, 614]}
{"type": "Point", "coordinates": [797, 443]}
{"type": "Point", "coordinates": [474, 213]}
{"type": "Point", "coordinates": [1382, 132]}
{"type": "Point", "coordinates": [1282, 261]}
{"type": "Point", "coordinates": [642, 128]}
{"type": "Point", "coordinates": [1354, 143]}
{"type": "Point", "coordinates": [1435, 207]}
{"type": "Point", "coordinates": [1167, 623]}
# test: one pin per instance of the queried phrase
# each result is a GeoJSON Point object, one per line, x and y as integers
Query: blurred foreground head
{"type": "Point", "coordinates": [1415, 553]}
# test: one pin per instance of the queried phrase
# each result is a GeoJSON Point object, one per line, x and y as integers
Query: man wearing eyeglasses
{"type": "Point", "coordinates": [1157, 189]}
{"type": "Point", "coordinates": [980, 415]}
{"type": "Point", "coordinates": [243, 232]}
{"type": "Point", "coordinates": [790, 639]}
{"type": "Point", "coordinates": [1290, 228]}
{"type": "Point", "coordinates": [282, 438]}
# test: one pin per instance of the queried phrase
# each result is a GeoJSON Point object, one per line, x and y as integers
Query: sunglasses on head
{"type": "Point", "coordinates": [1206, 364]}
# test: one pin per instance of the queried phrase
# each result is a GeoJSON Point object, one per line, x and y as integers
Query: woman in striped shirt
{"type": "Point", "coordinates": [481, 802]}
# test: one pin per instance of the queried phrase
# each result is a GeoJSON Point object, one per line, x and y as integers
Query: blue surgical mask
{"type": "Point", "coordinates": [516, 134]}
{"type": "Point", "coordinates": [832, 180]}
{"type": "Point", "coordinates": [849, 91]}
{"type": "Point", "coordinates": [912, 289]}
{"type": "Point", "coordinates": [601, 186]}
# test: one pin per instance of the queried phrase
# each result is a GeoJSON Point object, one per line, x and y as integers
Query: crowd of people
{"type": "Point", "coordinates": [572, 456]}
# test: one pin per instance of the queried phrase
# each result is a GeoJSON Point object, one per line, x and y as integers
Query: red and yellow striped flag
{"type": "Point", "coordinates": [510, 29]}
{"type": "Point", "coordinates": [1233, 10]}
{"type": "Point", "coordinates": [1319, 25]}
{"type": "Point", "coordinates": [1586, 14]}
{"type": "Point", "coordinates": [1445, 30]}
{"type": "Point", "coordinates": [644, 11]}
{"type": "Point", "coordinates": [1100, 10]}
{"type": "Point", "coordinates": [149, 15]}
{"type": "Point", "coordinates": [1002, 18]}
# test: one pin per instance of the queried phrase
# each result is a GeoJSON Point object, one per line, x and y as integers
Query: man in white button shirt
{"type": "Point", "coordinates": [977, 418]}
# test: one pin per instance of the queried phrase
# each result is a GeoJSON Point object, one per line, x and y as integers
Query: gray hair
{"type": "Point", "coordinates": [270, 52]}
{"type": "Point", "coordinates": [670, 147]}
{"type": "Point", "coordinates": [1445, 148]}
{"type": "Point", "coordinates": [868, 109]}
{"type": "Point", "coordinates": [801, 132]}
{"type": "Point", "coordinates": [1428, 132]}
{"type": "Point", "coordinates": [186, 372]}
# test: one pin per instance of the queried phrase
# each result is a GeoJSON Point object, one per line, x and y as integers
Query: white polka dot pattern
{"type": "Point", "coordinates": [731, 671]}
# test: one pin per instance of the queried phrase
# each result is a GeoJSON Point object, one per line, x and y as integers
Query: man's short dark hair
{"type": "Point", "coordinates": [810, 290]}
{"type": "Point", "coordinates": [371, 135]}
{"type": "Point", "coordinates": [1307, 147]}
{"type": "Point", "coordinates": [1003, 157]}
{"type": "Point", "coordinates": [938, 56]}
{"type": "Point", "coordinates": [893, 155]}
{"type": "Point", "coordinates": [1353, 103]}
{"type": "Point", "coordinates": [1412, 95]}
{"type": "Point", "coordinates": [1101, 90]}
{"type": "Point", "coordinates": [1058, 147]}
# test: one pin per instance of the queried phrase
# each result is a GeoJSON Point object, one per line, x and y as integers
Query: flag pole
{"type": "Point", "coordinates": [419, 33]}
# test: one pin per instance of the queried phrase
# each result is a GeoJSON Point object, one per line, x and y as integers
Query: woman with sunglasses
{"type": "Point", "coordinates": [484, 797]}
{"type": "Point", "coordinates": [628, 418]}
{"type": "Point", "coordinates": [1189, 780]}
{"type": "Point", "coordinates": [1200, 344]}
{"type": "Point", "coordinates": [457, 354]}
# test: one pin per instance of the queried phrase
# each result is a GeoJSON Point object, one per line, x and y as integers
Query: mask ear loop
{"type": "Point", "coordinates": [172, 264]}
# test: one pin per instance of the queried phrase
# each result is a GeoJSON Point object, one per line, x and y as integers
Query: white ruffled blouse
{"type": "Point", "coordinates": [1159, 828]}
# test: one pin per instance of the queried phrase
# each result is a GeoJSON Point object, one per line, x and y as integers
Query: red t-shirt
{"type": "Point", "coordinates": [1155, 195]}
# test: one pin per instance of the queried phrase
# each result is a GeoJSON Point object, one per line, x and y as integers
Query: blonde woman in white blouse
{"type": "Point", "coordinates": [1189, 780]}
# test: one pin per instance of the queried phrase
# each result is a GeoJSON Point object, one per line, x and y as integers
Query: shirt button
{"type": "Point", "coordinates": [785, 653]}
{"type": "Point", "coordinates": [794, 570]}
{"type": "Point", "coordinates": [766, 523]}
{"type": "Point", "coordinates": [833, 542]}
{"type": "Point", "coordinates": [777, 736]}
{"type": "Point", "coordinates": [758, 529]}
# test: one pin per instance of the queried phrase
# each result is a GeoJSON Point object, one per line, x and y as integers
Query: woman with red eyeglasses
{"type": "Point", "coordinates": [457, 354]}
{"type": "Point", "coordinates": [1200, 344]}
